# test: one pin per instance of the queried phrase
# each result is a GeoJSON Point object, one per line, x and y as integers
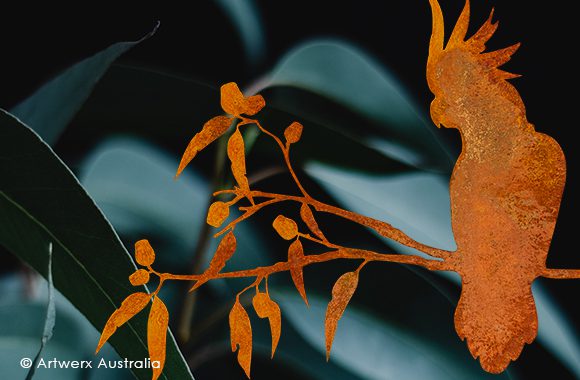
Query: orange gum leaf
{"type": "Point", "coordinates": [266, 308]}
{"type": "Point", "coordinates": [295, 259]}
{"type": "Point", "coordinates": [236, 154]}
{"type": "Point", "coordinates": [241, 336]}
{"type": "Point", "coordinates": [157, 335]}
{"type": "Point", "coordinates": [232, 99]}
{"type": "Point", "coordinates": [144, 253]}
{"type": "Point", "coordinates": [139, 277]}
{"type": "Point", "coordinates": [218, 212]}
{"type": "Point", "coordinates": [308, 218]}
{"type": "Point", "coordinates": [255, 104]}
{"type": "Point", "coordinates": [285, 227]}
{"type": "Point", "coordinates": [132, 305]}
{"type": "Point", "coordinates": [293, 132]}
{"type": "Point", "coordinates": [223, 253]}
{"type": "Point", "coordinates": [212, 130]}
{"type": "Point", "coordinates": [342, 292]}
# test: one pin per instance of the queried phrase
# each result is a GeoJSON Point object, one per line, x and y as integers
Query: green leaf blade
{"type": "Point", "coordinates": [41, 201]}
{"type": "Point", "coordinates": [341, 72]}
{"type": "Point", "coordinates": [49, 321]}
{"type": "Point", "coordinates": [49, 110]}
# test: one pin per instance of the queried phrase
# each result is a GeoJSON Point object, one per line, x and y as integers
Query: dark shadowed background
{"type": "Point", "coordinates": [202, 44]}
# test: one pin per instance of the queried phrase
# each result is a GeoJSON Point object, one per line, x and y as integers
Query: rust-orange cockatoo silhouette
{"type": "Point", "coordinates": [506, 189]}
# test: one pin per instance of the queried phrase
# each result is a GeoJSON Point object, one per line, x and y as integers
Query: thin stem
{"type": "Point", "coordinates": [252, 285]}
{"type": "Point", "coordinates": [285, 152]}
{"type": "Point", "coordinates": [341, 253]}
{"type": "Point", "coordinates": [293, 173]}
{"type": "Point", "coordinates": [235, 200]}
{"type": "Point", "coordinates": [561, 274]}
{"type": "Point", "coordinates": [249, 211]}
{"type": "Point", "coordinates": [226, 191]}
{"type": "Point", "coordinates": [319, 241]}
{"type": "Point", "coordinates": [383, 228]}
{"type": "Point", "coordinates": [161, 280]}
{"type": "Point", "coordinates": [361, 266]}
{"type": "Point", "coordinates": [179, 277]}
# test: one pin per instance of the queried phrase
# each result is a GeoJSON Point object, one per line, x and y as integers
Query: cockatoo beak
{"type": "Point", "coordinates": [436, 111]}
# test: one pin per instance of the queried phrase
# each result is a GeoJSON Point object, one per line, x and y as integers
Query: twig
{"type": "Point", "coordinates": [382, 228]}
{"type": "Point", "coordinates": [561, 274]}
{"type": "Point", "coordinates": [341, 253]}
{"type": "Point", "coordinates": [285, 151]}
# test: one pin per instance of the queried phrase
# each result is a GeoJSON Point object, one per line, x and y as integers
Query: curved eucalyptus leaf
{"type": "Point", "coordinates": [373, 349]}
{"type": "Point", "coordinates": [19, 339]}
{"type": "Point", "coordinates": [554, 330]}
{"type": "Point", "coordinates": [348, 76]}
{"type": "Point", "coordinates": [297, 353]}
{"type": "Point", "coordinates": [40, 202]}
{"type": "Point", "coordinates": [136, 109]}
{"type": "Point", "coordinates": [73, 333]}
{"type": "Point", "coordinates": [50, 318]}
{"type": "Point", "coordinates": [244, 15]}
{"type": "Point", "coordinates": [49, 110]}
{"type": "Point", "coordinates": [133, 183]}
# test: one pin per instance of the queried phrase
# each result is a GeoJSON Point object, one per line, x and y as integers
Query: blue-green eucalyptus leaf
{"type": "Point", "coordinates": [245, 16]}
{"type": "Point", "coordinates": [345, 74]}
{"type": "Point", "coordinates": [41, 201]}
{"type": "Point", "coordinates": [133, 183]}
{"type": "Point", "coordinates": [373, 349]}
{"type": "Point", "coordinates": [49, 110]}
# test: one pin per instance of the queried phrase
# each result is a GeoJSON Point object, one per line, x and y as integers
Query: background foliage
{"type": "Point", "coordinates": [355, 78]}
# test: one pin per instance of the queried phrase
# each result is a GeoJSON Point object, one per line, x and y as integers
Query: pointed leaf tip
{"type": "Point", "coordinates": [342, 292]}
{"type": "Point", "coordinates": [237, 156]}
{"type": "Point", "coordinates": [132, 305]}
{"type": "Point", "coordinates": [211, 131]}
{"type": "Point", "coordinates": [255, 104]}
{"type": "Point", "coordinates": [308, 218]}
{"type": "Point", "coordinates": [295, 259]}
{"type": "Point", "coordinates": [223, 253]}
{"type": "Point", "coordinates": [266, 308]}
{"type": "Point", "coordinates": [241, 336]}
{"type": "Point", "coordinates": [235, 103]}
{"type": "Point", "coordinates": [293, 132]}
{"type": "Point", "coordinates": [157, 335]}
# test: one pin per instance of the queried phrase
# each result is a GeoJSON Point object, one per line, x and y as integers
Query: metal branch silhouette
{"type": "Point", "coordinates": [505, 189]}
